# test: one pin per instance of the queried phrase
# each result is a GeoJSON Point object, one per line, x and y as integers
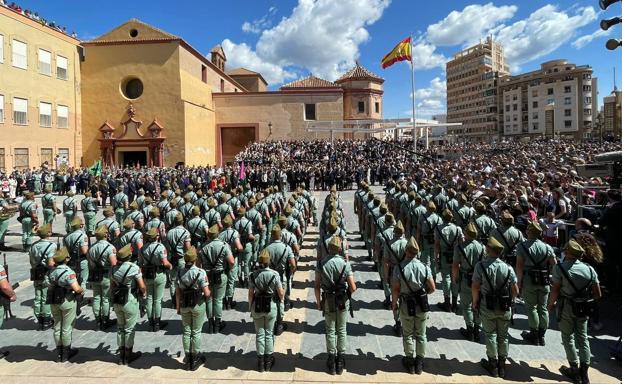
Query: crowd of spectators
{"type": "Point", "coordinates": [35, 16]}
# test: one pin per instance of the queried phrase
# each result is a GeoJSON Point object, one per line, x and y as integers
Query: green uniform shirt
{"type": "Point", "coordinates": [100, 252]}
{"type": "Point", "coordinates": [119, 200]}
{"type": "Point", "coordinates": [229, 236]}
{"type": "Point", "coordinates": [580, 274]}
{"type": "Point", "coordinates": [288, 238]}
{"type": "Point", "coordinates": [414, 275]}
{"type": "Point", "coordinates": [396, 253]}
{"type": "Point", "coordinates": [27, 207]}
{"type": "Point", "coordinates": [260, 281]}
{"type": "Point", "coordinates": [133, 237]}
{"type": "Point", "coordinates": [197, 226]}
{"type": "Point", "coordinates": [464, 215]}
{"type": "Point", "coordinates": [112, 225]}
{"type": "Point", "coordinates": [88, 204]}
{"type": "Point", "coordinates": [280, 255]}
{"type": "Point", "coordinates": [213, 217]}
{"type": "Point", "coordinates": [154, 223]}
{"type": "Point", "coordinates": [449, 235]}
{"type": "Point", "coordinates": [213, 255]}
{"type": "Point", "coordinates": [191, 277]}
{"type": "Point", "coordinates": [136, 216]}
{"type": "Point", "coordinates": [535, 253]}
{"type": "Point", "coordinates": [169, 218]}
{"type": "Point", "coordinates": [61, 276]}
{"type": "Point", "coordinates": [497, 271]}
{"type": "Point", "coordinates": [223, 209]}
{"type": "Point", "coordinates": [69, 205]}
{"type": "Point", "coordinates": [119, 271]}
{"type": "Point", "coordinates": [41, 251]}
{"type": "Point", "coordinates": [428, 224]}
{"type": "Point", "coordinates": [510, 237]}
{"type": "Point", "coordinates": [485, 226]}
{"type": "Point", "coordinates": [47, 201]}
{"type": "Point", "coordinates": [469, 254]}
{"type": "Point", "coordinates": [330, 269]}
{"type": "Point", "coordinates": [245, 228]}
{"type": "Point", "coordinates": [153, 253]}
{"type": "Point", "coordinates": [74, 241]}
{"type": "Point", "coordinates": [176, 238]}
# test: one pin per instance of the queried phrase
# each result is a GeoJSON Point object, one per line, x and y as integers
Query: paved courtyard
{"type": "Point", "coordinates": [374, 352]}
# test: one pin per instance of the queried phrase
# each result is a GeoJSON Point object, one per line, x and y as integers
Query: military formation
{"type": "Point", "coordinates": [202, 243]}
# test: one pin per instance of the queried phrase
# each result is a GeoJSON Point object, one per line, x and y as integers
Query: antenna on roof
{"type": "Point", "coordinates": [615, 85]}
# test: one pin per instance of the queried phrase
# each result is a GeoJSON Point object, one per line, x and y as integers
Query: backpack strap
{"type": "Point", "coordinates": [574, 287]}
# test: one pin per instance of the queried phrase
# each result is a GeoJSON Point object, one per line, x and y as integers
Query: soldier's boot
{"type": "Point", "coordinates": [49, 323]}
{"type": "Point", "coordinates": [187, 360]}
{"type": "Point", "coordinates": [445, 305]}
{"type": "Point", "coordinates": [454, 304]}
{"type": "Point", "coordinates": [159, 324]}
{"type": "Point", "coordinates": [375, 267]}
{"type": "Point", "coordinates": [476, 329]}
{"type": "Point", "coordinates": [583, 373]}
{"type": "Point", "coordinates": [130, 355]}
{"type": "Point", "coordinates": [210, 326]}
{"type": "Point", "coordinates": [70, 352]}
{"type": "Point", "coordinates": [121, 360]}
{"type": "Point", "coordinates": [501, 367]}
{"type": "Point", "coordinates": [60, 354]}
{"type": "Point", "coordinates": [397, 328]}
{"type": "Point", "coordinates": [232, 303]}
{"type": "Point", "coordinates": [225, 304]}
{"type": "Point", "coordinates": [418, 365]}
{"type": "Point", "coordinates": [409, 364]}
{"type": "Point", "coordinates": [387, 302]}
{"type": "Point", "coordinates": [219, 325]}
{"type": "Point", "coordinates": [279, 328]}
{"type": "Point", "coordinates": [330, 364]}
{"type": "Point", "coordinates": [531, 336]}
{"type": "Point", "coordinates": [196, 361]}
{"type": "Point", "coordinates": [491, 365]}
{"type": "Point", "coordinates": [268, 362]}
{"type": "Point", "coordinates": [261, 367]}
{"type": "Point", "coordinates": [40, 321]}
{"type": "Point", "coordinates": [340, 363]}
{"type": "Point", "coordinates": [467, 333]}
{"type": "Point", "coordinates": [98, 324]}
{"type": "Point", "coordinates": [107, 322]}
{"type": "Point", "coordinates": [572, 372]}
{"type": "Point", "coordinates": [541, 333]}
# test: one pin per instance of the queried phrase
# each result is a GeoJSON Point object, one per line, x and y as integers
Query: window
{"type": "Point", "coordinates": [550, 101]}
{"type": "Point", "coordinates": [567, 89]}
{"type": "Point", "coordinates": [45, 114]}
{"type": "Point", "coordinates": [507, 117]}
{"type": "Point", "coordinates": [61, 67]}
{"type": "Point", "coordinates": [2, 163]}
{"type": "Point", "coordinates": [550, 91]}
{"type": "Point", "coordinates": [1, 108]}
{"type": "Point", "coordinates": [377, 107]}
{"type": "Point", "coordinates": [63, 153]}
{"type": "Point", "coordinates": [132, 88]}
{"type": "Point", "coordinates": [45, 62]}
{"type": "Point", "coordinates": [567, 101]}
{"type": "Point", "coordinates": [567, 112]}
{"type": "Point", "coordinates": [46, 155]}
{"type": "Point", "coordinates": [588, 100]}
{"type": "Point", "coordinates": [204, 74]}
{"type": "Point", "coordinates": [20, 54]}
{"type": "Point", "coordinates": [534, 93]}
{"type": "Point", "coordinates": [309, 111]}
{"type": "Point", "coordinates": [20, 111]}
{"type": "Point", "coordinates": [62, 116]}
{"type": "Point", "coordinates": [534, 116]}
{"type": "Point", "coordinates": [361, 107]}
{"type": "Point", "coordinates": [587, 112]}
{"type": "Point", "coordinates": [568, 123]}
{"type": "Point", "coordinates": [514, 97]}
{"type": "Point", "coordinates": [535, 104]}
{"type": "Point", "coordinates": [21, 158]}
{"type": "Point", "coordinates": [587, 88]}
{"type": "Point", "coordinates": [507, 108]}
{"type": "Point", "coordinates": [535, 126]}
{"type": "Point", "coordinates": [515, 107]}
{"type": "Point", "coordinates": [222, 85]}
{"type": "Point", "coordinates": [1, 48]}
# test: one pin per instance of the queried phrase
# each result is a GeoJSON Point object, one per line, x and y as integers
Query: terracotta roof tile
{"type": "Point", "coordinates": [359, 72]}
{"type": "Point", "coordinates": [310, 82]}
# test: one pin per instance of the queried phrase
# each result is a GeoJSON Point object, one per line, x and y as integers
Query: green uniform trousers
{"type": "Point", "coordinates": [41, 294]}
{"type": "Point", "coordinates": [427, 257]}
{"type": "Point", "coordinates": [172, 276]}
{"type": "Point", "coordinates": [244, 260]}
{"type": "Point", "coordinates": [232, 277]}
{"type": "Point", "coordinates": [495, 325]}
{"type": "Point", "coordinates": [536, 299]}
{"type": "Point", "coordinates": [89, 222]}
{"type": "Point", "coordinates": [64, 319]}
{"type": "Point", "coordinates": [155, 294]}
{"type": "Point", "coordinates": [336, 333]}
{"type": "Point", "coordinates": [48, 216]}
{"type": "Point", "coordinates": [414, 330]}
{"type": "Point", "coordinates": [192, 319]}
{"type": "Point", "coordinates": [471, 318]}
{"type": "Point", "coordinates": [214, 302]}
{"type": "Point", "coordinates": [264, 330]}
{"type": "Point", "coordinates": [84, 272]}
{"type": "Point", "coordinates": [449, 289]}
{"type": "Point", "coordinates": [574, 334]}
{"type": "Point", "coordinates": [4, 226]}
{"type": "Point", "coordinates": [101, 298]}
{"type": "Point", "coordinates": [127, 316]}
{"type": "Point", "coordinates": [27, 233]}
{"type": "Point", "coordinates": [69, 216]}
{"type": "Point", "coordinates": [386, 287]}
{"type": "Point", "coordinates": [256, 249]}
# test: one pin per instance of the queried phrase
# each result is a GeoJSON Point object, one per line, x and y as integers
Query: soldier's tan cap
{"type": "Point", "coordinates": [334, 245]}
{"type": "Point", "coordinates": [125, 252]}
{"type": "Point", "coordinates": [196, 211]}
{"type": "Point", "coordinates": [101, 232]}
{"type": "Point", "coordinates": [60, 255]}
{"type": "Point", "coordinates": [211, 202]}
{"type": "Point", "coordinates": [151, 234]}
{"type": "Point", "coordinates": [264, 257]}
{"type": "Point", "coordinates": [448, 215]}
{"type": "Point", "coordinates": [213, 231]}
{"type": "Point", "coordinates": [288, 210]}
{"type": "Point", "coordinates": [108, 212]}
{"type": "Point", "coordinates": [190, 256]}
{"type": "Point", "coordinates": [76, 223]}
{"type": "Point", "coordinates": [148, 200]}
{"type": "Point", "coordinates": [227, 221]}
{"type": "Point", "coordinates": [282, 221]}
{"type": "Point", "coordinates": [495, 245]}
{"type": "Point", "coordinates": [127, 223]}
{"type": "Point", "coordinates": [534, 228]}
{"type": "Point", "coordinates": [574, 249]}
{"type": "Point", "coordinates": [507, 217]}
{"type": "Point", "coordinates": [133, 205]}
{"type": "Point", "coordinates": [431, 206]}
{"type": "Point", "coordinates": [462, 198]}
{"type": "Point", "coordinates": [399, 228]}
{"type": "Point", "coordinates": [179, 219]}
{"type": "Point", "coordinates": [241, 211]}
{"type": "Point", "coordinates": [389, 219]}
{"type": "Point", "coordinates": [412, 248]}
{"type": "Point", "coordinates": [383, 209]}
{"type": "Point", "coordinates": [155, 212]}
{"type": "Point", "coordinates": [70, 193]}
{"type": "Point", "coordinates": [332, 223]}
{"type": "Point", "coordinates": [276, 232]}
{"type": "Point", "coordinates": [44, 230]}
{"type": "Point", "coordinates": [471, 230]}
{"type": "Point", "coordinates": [333, 188]}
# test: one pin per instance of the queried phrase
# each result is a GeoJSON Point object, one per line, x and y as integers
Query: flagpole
{"type": "Point", "coordinates": [412, 82]}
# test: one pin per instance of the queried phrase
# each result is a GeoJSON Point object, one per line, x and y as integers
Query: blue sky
{"type": "Point", "coordinates": [288, 39]}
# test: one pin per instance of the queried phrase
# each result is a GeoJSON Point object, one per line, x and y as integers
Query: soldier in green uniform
{"type": "Point", "coordinates": [192, 291]}
{"type": "Point", "coordinates": [28, 217]}
{"type": "Point", "coordinates": [41, 253]}
{"type": "Point", "coordinates": [70, 209]}
{"type": "Point", "coordinates": [447, 236]}
{"type": "Point", "coordinates": [120, 204]}
{"type": "Point", "coordinates": [177, 242]}
{"type": "Point", "coordinates": [154, 263]}
{"type": "Point", "coordinates": [63, 286]}
{"type": "Point", "coordinates": [231, 236]}
{"type": "Point", "coordinates": [575, 289]}
{"type": "Point", "coordinates": [109, 221]}
{"type": "Point", "coordinates": [186, 208]}
{"type": "Point", "coordinates": [281, 256]}
{"type": "Point", "coordinates": [416, 211]}
{"type": "Point", "coordinates": [163, 204]}
{"type": "Point", "coordinates": [48, 202]}
{"type": "Point", "coordinates": [264, 291]}
{"type": "Point", "coordinates": [426, 231]}
{"type": "Point", "coordinates": [485, 225]}
{"type": "Point", "coordinates": [247, 237]}
{"type": "Point", "coordinates": [466, 257]}
{"type": "Point", "coordinates": [126, 282]}
{"type": "Point", "coordinates": [509, 236]}
{"type": "Point", "coordinates": [411, 283]}
{"type": "Point", "coordinates": [89, 210]}
{"type": "Point", "coordinates": [465, 213]}
{"type": "Point", "coordinates": [9, 294]}
{"type": "Point", "coordinates": [393, 257]}
{"type": "Point", "coordinates": [77, 244]}
{"type": "Point", "coordinates": [223, 208]}
{"type": "Point", "coordinates": [169, 217]}
{"type": "Point", "coordinates": [5, 215]}
{"type": "Point", "coordinates": [334, 285]}
{"type": "Point", "coordinates": [155, 222]}
{"type": "Point", "coordinates": [136, 216]}
{"type": "Point", "coordinates": [258, 228]}
{"type": "Point", "coordinates": [146, 208]}
{"type": "Point", "coordinates": [535, 260]}
{"type": "Point", "coordinates": [213, 256]}
{"type": "Point", "coordinates": [211, 215]}
{"type": "Point", "coordinates": [102, 256]}
{"type": "Point", "coordinates": [140, 199]}
{"type": "Point", "coordinates": [493, 289]}
{"type": "Point", "coordinates": [131, 236]}
{"type": "Point", "coordinates": [198, 227]}
{"type": "Point", "coordinates": [384, 239]}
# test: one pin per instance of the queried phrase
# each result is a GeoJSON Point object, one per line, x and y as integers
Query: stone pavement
{"type": "Point", "coordinates": [374, 353]}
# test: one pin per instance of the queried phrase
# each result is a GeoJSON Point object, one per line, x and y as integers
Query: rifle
{"type": "Point", "coordinates": [6, 303]}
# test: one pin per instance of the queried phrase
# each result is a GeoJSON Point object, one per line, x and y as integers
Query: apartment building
{"type": "Point", "coordinates": [611, 123]}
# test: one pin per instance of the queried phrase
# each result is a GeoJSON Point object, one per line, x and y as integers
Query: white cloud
{"type": "Point", "coordinates": [322, 36]}
{"type": "Point", "coordinates": [468, 25]}
{"type": "Point", "coordinates": [258, 25]}
{"type": "Point", "coordinates": [241, 55]}
{"type": "Point", "coordinates": [586, 39]}
{"type": "Point", "coordinates": [425, 57]}
{"type": "Point", "coordinates": [541, 33]}
{"type": "Point", "coordinates": [433, 99]}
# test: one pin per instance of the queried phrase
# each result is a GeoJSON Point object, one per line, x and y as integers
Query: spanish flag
{"type": "Point", "coordinates": [401, 52]}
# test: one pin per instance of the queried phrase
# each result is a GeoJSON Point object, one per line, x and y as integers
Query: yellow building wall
{"type": "Point", "coordinates": [30, 84]}
{"type": "Point", "coordinates": [191, 64]}
{"type": "Point", "coordinates": [104, 70]}
{"type": "Point", "coordinates": [285, 112]}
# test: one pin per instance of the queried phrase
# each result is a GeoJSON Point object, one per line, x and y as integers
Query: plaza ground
{"type": "Point", "coordinates": [374, 353]}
